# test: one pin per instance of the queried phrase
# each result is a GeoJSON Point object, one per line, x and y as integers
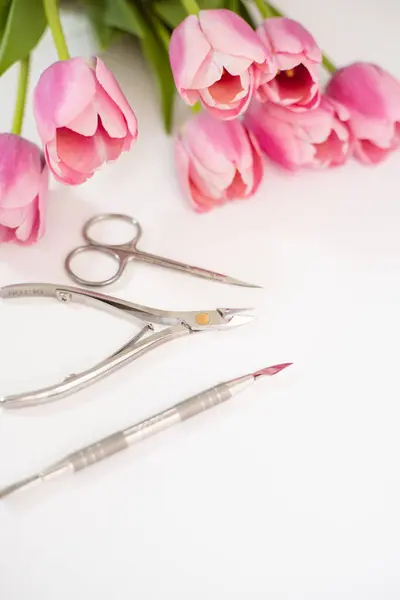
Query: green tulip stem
{"type": "Point", "coordinates": [328, 64]}
{"type": "Point", "coordinates": [264, 9]}
{"type": "Point", "coordinates": [162, 32]}
{"type": "Point", "coordinates": [23, 79]}
{"type": "Point", "coordinates": [191, 7]}
{"type": "Point", "coordinates": [54, 22]}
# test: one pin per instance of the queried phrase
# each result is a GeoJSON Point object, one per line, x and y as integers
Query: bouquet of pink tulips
{"type": "Point", "coordinates": [251, 75]}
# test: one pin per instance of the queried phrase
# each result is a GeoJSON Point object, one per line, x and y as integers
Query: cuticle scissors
{"type": "Point", "coordinates": [122, 254]}
{"type": "Point", "coordinates": [178, 324]}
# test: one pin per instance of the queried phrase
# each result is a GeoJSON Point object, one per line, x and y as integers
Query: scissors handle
{"type": "Point", "coordinates": [134, 223]}
{"type": "Point", "coordinates": [117, 256]}
{"type": "Point", "coordinates": [119, 253]}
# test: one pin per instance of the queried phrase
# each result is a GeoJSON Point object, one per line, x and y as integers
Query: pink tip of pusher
{"type": "Point", "coordinates": [271, 370]}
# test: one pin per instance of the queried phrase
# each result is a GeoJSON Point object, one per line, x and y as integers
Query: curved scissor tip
{"type": "Point", "coordinates": [273, 370]}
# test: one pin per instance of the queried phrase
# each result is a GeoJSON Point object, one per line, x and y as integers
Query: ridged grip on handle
{"type": "Point", "coordinates": [98, 451]}
{"type": "Point", "coordinates": [151, 426]}
{"type": "Point", "coordinates": [203, 401]}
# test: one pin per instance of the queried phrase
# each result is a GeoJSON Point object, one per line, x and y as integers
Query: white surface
{"type": "Point", "coordinates": [292, 490]}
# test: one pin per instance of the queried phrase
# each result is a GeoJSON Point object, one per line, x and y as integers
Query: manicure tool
{"type": "Point", "coordinates": [122, 254]}
{"type": "Point", "coordinates": [179, 323]}
{"type": "Point", "coordinates": [124, 439]}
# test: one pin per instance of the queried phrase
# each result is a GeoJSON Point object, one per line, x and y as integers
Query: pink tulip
{"type": "Point", "coordinates": [23, 190]}
{"type": "Point", "coordinates": [83, 118]}
{"type": "Point", "coordinates": [368, 99]}
{"type": "Point", "coordinates": [215, 59]}
{"type": "Point", "coordinates": [217, 161]}
{"type": "Point", "coordinates": [316, 138]}
{"type": "Point", "coordinates": [297, 57]}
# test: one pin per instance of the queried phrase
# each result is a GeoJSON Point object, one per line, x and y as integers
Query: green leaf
{"type": "Point", "coordinates": [233, 5]}
{"type": "Point", "coordinates": [24, 25]}
{"type": "Point", "coordinates": [4, 7]}
{"type": "Point", "coordinates": [95, 10]}
{"type": "Point", "coordinates": [120, 14]}
{"type": "Point", "coordinates": [157, 56]}
{"type": "Point", "coordinates": [206, 4]}
{"type": "Point", "coordinates": [244, 13]}
{"type": "Point", "coordinates": [172, 12]}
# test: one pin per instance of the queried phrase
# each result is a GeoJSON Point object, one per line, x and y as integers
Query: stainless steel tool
{"type": "Point", "coordinates": [178, 324]}
{"type": "Point", "coordinates": [124, 439]}
{"type": "Point", "coordinates": [123, 254]}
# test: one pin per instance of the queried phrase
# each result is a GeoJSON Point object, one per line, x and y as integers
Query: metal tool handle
{"type": "Point", "coordinates": [119, 253]}
{"type": "Point", "coordinates": [120, 259]}
{"type": "Point", "coordinates": [79, 381]}
{"type": "Point", "coordinates": [152, 426]}
{"type": "Point", "coordinates": [180, 412]}
{"type": "Point", "coordinates": [203, 401]}
{"type": "Point", "coordinates": [98, 451]}
{"type": "Point", "coordinates": [131, 242]}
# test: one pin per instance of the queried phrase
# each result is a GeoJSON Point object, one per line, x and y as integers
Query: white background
{"type": "Point", "coordinates": [292, 490]}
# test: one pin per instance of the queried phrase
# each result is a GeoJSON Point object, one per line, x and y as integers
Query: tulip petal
{"type": "Point", "coordinates": [6, 235]}
{"type": "Point", "coordinates": [78, 152]}
{"type": "Point", "coordinates": [234, 65]}
{"type": "Point", "coordinates": [199, 202]}
{"type": "Point", "coordinates": [237, 188]}
{"type": "Point", "coordinates": [368, 153]}
{"type": "Point", "coordinates": [208, 141]}
{"type": "Point", "coordinates": [42, 203]}
{"type": "Point", "coordinates": [224, 111]}
{"type": "Point", "coordinates": [184, 62]}
{"type": "Point", "coordinates": [23, 186]}
{"type": "Point", "coordinates": [208, 73]}
{"type": "Point", "coordinates": [107, 80]}
{"type": "Point", "coordinates": [110, 114]}
{"type": "Point", "coordinates": [20, 171]}
{"type": "Point", "coordinates": [290, 37]}
{"type": "Point", "coordinates": [24, 231]}
{"type": "Point", "coordinates": [367, 98]}
{"type": "Point", "coordinates": [229, 34]}
{"type": "Point", "coordinates": [227, 90]}
{"type": "Point", "coordinates": [330, 152]}
{"type": "Point", "coordinates": [61, 171]}
{"type": "Point", "coordinates": [258, 163]}
{"type": "Point", "coordinates": [111, 147]}
{"type": "Point", "coordinates": [63, 92]}
{"type": "Point", "coordinates": [85, 155]}
{"type": "Point", "coordinates": [358, 88]}
{"type": "Point", "coordinates": [86, 122]}
{"type": "Point", "coordinates": [380, 132]}
{"type": "Point", "coordinates": [210, 183]}
{"type": "Point", "coordinates": [214, 160]}
{"type": "Point", "coordinates": [276, 138]}
{"type": "Point", "coordinates": [182, 165]}
{"type": "Point", "coordinates": [12, 217]}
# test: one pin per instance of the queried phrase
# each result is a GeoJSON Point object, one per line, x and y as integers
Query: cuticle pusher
{"type": "Point", "coordinates": [122, 440]}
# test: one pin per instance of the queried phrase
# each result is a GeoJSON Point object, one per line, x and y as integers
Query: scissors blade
{"type": "Point", "coordinates": [192, 270]}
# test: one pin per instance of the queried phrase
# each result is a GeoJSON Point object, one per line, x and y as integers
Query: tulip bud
{"type": "Point", "coordinates": [83, 118]}
{"type": "Point", "coordinates": [217, 161]}
{"type": "Point", "coordinates": [216, 58]}
{"type": "Point", "coordinates": [297, 57]}
{"type": "Point", "coordinates": [316, 138]}
{"type": "Point", "coordinates": [368, 100]}
{"type": "Point", "coordinates": [23, 190]}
